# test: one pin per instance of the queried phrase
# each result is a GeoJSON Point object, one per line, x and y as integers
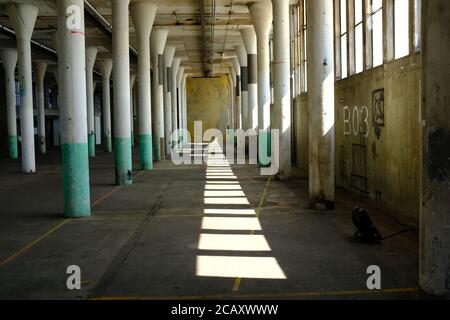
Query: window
{"type": "Point", "coordinates": [343, 37]}
{"type": "Point", "coordinates": [303, 27]}
{"type": "Point", "coordinates": [299, 43]}
{"type": "Point", "coordinates": [401, 28]}
{"type": "Point", "coordinates": [295, 85]}
{"type": "Point", "coordinates": [359, 29]}
{"type": "Point", "coordinates": [377, 32]}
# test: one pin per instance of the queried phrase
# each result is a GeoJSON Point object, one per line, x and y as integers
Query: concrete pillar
{"type": "Point", "coordinates": [158, 42]}
{"type": "Point", "coordinates": [230, 101]}
{"type": "Point", "coordinates": [23, 18]}
{"type": "Point", "coordinates": [261, 13]}
{"type": "Point", "coordinates": [143, 14]}
{"type": "Point", "coordinates": [184, 110]}
{"type": "Point", "coordinates": [249, 38]}
{"type": "Point", "coordinates": [321, 104]}
{"type": "Point", "coordinates": [238, 99]}
{"type": "Point", "coordinates": [233, 98]}
{"type": "Point", "coordinates": [169, 53]}
{"type": "Point", "coordinates": [435, 155]}
{"type": "Point", "coordinates": [121, 75]}
{"type": "Point", "coordinates": [57, 123]}
{"type": "Point", "coordinates": [9, 61]}
{"type": "Point", "coordinates": [41, 69]}
{"type": "Point", "coordinates": [243, 61]}
{"type": "Point", "coordinates": [91, 55]}
{"type": "Point", "coordinates": [180, 102]}
{"type": "Point", "coordinates": [174, 96]}
{"type": "Point", "coordinates": [282, 84]}
{"type": "Point", "coordinates": [132, 82]}
{"type": "Point", "coordinates": [73, 112]}
{"type": "Point", "coordinates": [106, 69]}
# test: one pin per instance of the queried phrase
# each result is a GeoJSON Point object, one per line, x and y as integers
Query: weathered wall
{"type": "Point", "coordinates": [207, 101]}
{"type": "Point", "coordinates": [380, 160]}
{"type": "Point", "coordinates": [435, 139]}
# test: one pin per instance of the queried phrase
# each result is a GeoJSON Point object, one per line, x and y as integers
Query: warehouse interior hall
{"type": "Point", "coordinates": [224, 149]}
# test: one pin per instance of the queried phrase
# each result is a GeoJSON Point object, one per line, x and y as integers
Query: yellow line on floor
{"type": "Point", "coordinates": [30, 245]}
{"type": "Point", "coordinates": [237, 282]}
{"type": "Point", "coordinates": [313, 294]}
{"type": "Point", "coordinates": [106, 196]}
{"type": "Point", "coordinates": [58, 226]}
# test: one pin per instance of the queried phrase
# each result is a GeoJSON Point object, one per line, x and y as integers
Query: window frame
{"type": "Point", "coordinates": [303, 35]}
{"type": "Point", "coordinates": [394, 34]}
{"type": "Point", "coordinates": [372, 13]}
{"type": "Point", "coordinates": [357, 24]}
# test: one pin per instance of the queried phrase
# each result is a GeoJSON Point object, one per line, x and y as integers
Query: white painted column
{"type": "Point", "coordinates": [243, 61]}
{"type": "Point", "coordinates": [73, 112]}
{"type": "Point", "coordinates": [282, 84]}
{"type": "Point", "coordinates": [106, 69]}
{"type": "Point", "coordinates": [249, 37]}
{"type": "Point", "coordinates": [143, 14]}
{"type": "Point", "coordinates": [184, 111]}
{"type": "Point", "coordinates": [321, 103]}
{"type": "Point", "coordinates": [180, 103]}
{"type": "Point", "coordinates": [238, 109]}
{"type": "Point", "coordinates": [158, 42]}
{"type": "Point", "coordinates": [23, 18]}
{"type": "Point", "coordinates": [169, 54]}
{"type": "Point", "coordinates": [261, 13]}
{"type": "Point", "coordinates": [57, 122]}
{"type": "Point", "coordinates": [9, 60]}
{"type": "Point", "coordinates": [230, 101]}
{"type": "Point", "coordinates": [174, 96]}
{"type": "Point", "coordinates": [41, 69]}
{"type": "Point", "coordinates": [132, 82]}
{"type": "Point", "coordinates": [91, 55]}
{"type": "Point", "coordinates": [121, 75]}
{"type": "Point", "coordinates": [233, 107]}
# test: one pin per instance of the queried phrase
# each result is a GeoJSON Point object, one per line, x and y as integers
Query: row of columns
{"type": "Point", "coordinates": [76, 95]}
{"type": "Point", "coordinates": [250, 77]}
{"type": "Point", "coordinates": [251, 69]}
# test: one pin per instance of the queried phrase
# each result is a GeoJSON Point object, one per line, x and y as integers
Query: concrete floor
{"type": "Point", "coordinates": [142, 241]}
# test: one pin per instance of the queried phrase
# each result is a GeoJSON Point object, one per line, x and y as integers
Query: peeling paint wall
{"type": "Point", "coordinates": [207, 101]}
{"type": "Point", "coordinates": [377, 141]}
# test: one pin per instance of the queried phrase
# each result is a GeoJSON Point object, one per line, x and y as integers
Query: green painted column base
{"type": "Point", "coordinates": [162, 148]}
{"type": "Point", "coordinates": [108, 143]}
{"type": "Point", "coordinates": [264, 149]}
{"type": "Point", "coordinates": [145, 149]}
{"type": "Point", "coordinates": [156, 148]}
{"type": "Point", "coordinates": [12, 147]}
{"type": "Point", "coordinates": [91, 145]}
{"type": "Point", "coordinates": [75, 165]}
{"type": "Point", "coordinates": [123, 160]}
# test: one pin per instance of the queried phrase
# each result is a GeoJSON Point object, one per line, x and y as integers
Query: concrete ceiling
{"type": "Point", "coordinates": [181, 17]}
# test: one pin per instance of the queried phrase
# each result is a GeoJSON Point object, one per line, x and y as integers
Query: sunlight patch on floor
{"type": "Point", "coordinates": [231, 224]}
